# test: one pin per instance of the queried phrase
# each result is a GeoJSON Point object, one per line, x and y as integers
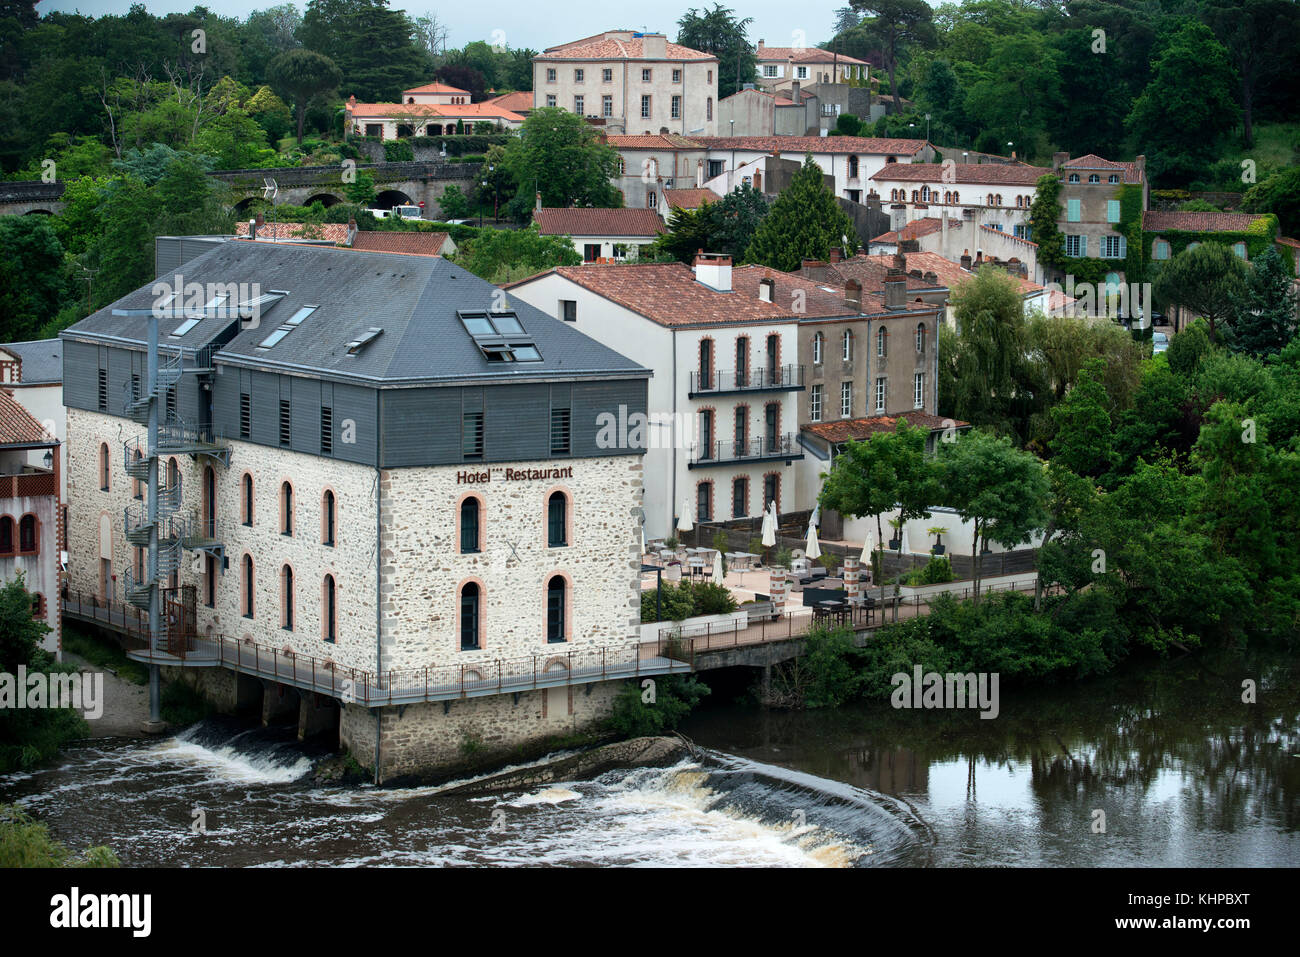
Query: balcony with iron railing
{"type": "Point", "coordinates": [766, 449]}
{"type": "Point", "coordinates": [774, 379]}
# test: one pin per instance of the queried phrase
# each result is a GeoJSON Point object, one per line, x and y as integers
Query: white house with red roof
{"type": "Point", "coordinates": [779, 67]}
{"type": "Point", "coordinates": [599, 235]}
{"type": "Point", "coordinates": [630, 82]}
{"type": "Point", "coordinates": [998, 195]}
{"type": "Point", "coordinates": [434, 109]}
{"type": "Point", "coordinates": [723, 432]}
{"type": "Point", "coordinates": [31, 513]}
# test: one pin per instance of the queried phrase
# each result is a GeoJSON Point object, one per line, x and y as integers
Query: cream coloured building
{"type": "Point", "coordinates": [629, 82]}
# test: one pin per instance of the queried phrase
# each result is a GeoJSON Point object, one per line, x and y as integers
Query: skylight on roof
{"type": "Point", "coordinates": [275, 337]}
{"type": "Point", "coordinates": [185, 327]}
{"type": "Point", "coordinates": [500, 336]}
{"type": "Point", "coordinates": [300, 315]}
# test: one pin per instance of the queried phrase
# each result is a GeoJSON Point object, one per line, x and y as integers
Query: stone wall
{"type": "Point", "coordinates": [424, 569]}
{"type": "Point", "coordinates": [421, 737]}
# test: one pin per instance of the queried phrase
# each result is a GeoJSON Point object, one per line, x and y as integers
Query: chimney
{"type": "Point", "coordinates": [761, 45]}
{"type": "Point", "coordinates": [853, 292]}
{"type": "Point", "coordinates": [539, 200]}
{"type": "Point", "coordinates": [1141, 164]}
{"type": "Point", "coordinates": [767, 290]}
{"type": "Point", "coordinates": [837, 254]}
{"type": "Point", "coordinates": [714, 271]}
{"type": "Point", "coordinates": [897, 265]}
{"type": "Point", "coordinates": [654, 46]}
{"type": "Point", "coordinates": [895, 293]}
{"type": "Point", "coordinates": [794, 92]}
{"type": "Point", "coordinates": [965, 259]}
{"type": "Point", "coordinates": [699, 174]}
{"type": "Point", "coordinates": [814, 269]}
{"type": "Point", "coordinates": [1059, 160]}
{"type": "Point", "coordinates": [352, 231]}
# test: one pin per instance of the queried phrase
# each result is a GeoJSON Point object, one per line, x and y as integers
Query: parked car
{"type": "Point", "coordinates": [1159, 342]}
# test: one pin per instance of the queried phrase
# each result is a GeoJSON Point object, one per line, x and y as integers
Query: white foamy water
{"type": "Point", "coordinates": [228, 762]}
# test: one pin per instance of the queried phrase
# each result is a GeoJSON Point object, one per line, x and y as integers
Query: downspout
{"type": "Point", "coordinates": [379, 564]}
{"type": "Point", "coordinates": [672, 502]}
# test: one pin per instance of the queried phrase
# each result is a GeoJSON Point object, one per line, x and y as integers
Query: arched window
{"type": "Point", "coordinates": [6, 535]}
{"type": "Point", "coordinates": [925, 194]}
{"type": "Point", "coordinates": [989, 199]}
{"type": "Point", "coordinates": [1113, 178]}
{"type": "Point", "coordinates": [947, 196]}
{"type": "Point", "coordinates": [882, 341]}
{"type": "Point", "coordinates": [706, 363]}
{"type": "Point", "coordinates": [469, 525]}
{"type": "Point", "coordinates": [469, 617]}
{"type": "Point", "coordinates": [329, 611]}
{"type": "Point", "coordinates": [818, 340]}
{"type": "Point", "coordinates": [704, 502]}
{"type": "Point", "coordinates": [916, 195]}
{"type": "Point", "coordinates": [557, 520]}
{"type": "Point", "coordinates": [1074, 178]}
{"type": "Point", "coordinates": [1191, 246]}
{"type": "Point", "coordinates": [708, 108]}
{"type": "Point", "coordinates": [848, 345]}
{"type": "Point", "coordinates": [920, 337]}
{"type": "Point", "coordinates": [327, 518]}
{"type": "Point", "coordinates": [38, 605]}
{"type": "Point", "coordinates": [1160, 250]}
{"type": "Point", "coordinates": [556, 610]}
{"type": "Point", "coordinates": [286, 508]}
{"type": "Point", "coordinates": [103, 466]}
{"type": "Point", "coordinates": [246, 593]}
{"type": "Point", "coordinates": [286, 598]}
{"type": "Point", "coordinates": [1094, 178]}
{"type": "Point", "coordinates": [27, 534]}
{"type": "Point", "coordinates": [997, 199]}
{"type": "Point", "coordinates": [956, 196]}
{"type": "Point", "coordinates": [246, 487]}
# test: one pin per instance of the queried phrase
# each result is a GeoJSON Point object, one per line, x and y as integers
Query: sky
{"type": "Point", "coordinates": [539, 23]}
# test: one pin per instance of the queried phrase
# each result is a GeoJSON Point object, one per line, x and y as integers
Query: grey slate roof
{"type": "Point", "coordinates": [414, 299]}
{"type": "Point", "coordinates": [42, 360]}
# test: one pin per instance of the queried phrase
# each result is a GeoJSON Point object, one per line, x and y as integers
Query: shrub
{"type": "Point", "coordinates": [398, 151]}
{"type": "Point", "coordinates": [26, 842]}
{"type": "Point", "coordinates": [657, 707]}
{"type": "Point", "coordinates": [687, 599]}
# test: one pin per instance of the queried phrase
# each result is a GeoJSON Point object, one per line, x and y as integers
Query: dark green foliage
{"type": "Point", "coordinates": [803, 223]}
{"type": "Point", "coordinates": [182, 705]}
{"type": "Point", "coordinates": [641, 710]}
{"type": "Point", "coordinates": [26, 842]}
{"type": "Point", "coordinates": [1265, 319]}
{"type": "Point", "coordinates": [398, 151]}
{"type": "Point", "coordinates": [718, 31]}
{"type": "Point", "coordinates": [726, 225]}
{"type": "Point", "coordinates": [558, 155]}
{"type": "Point", "coordinates": [33, 280]}
{"type": "Point", "coordinates": [503, 255]}
{"type": "Point", "coordinates": [299, 76]}
{"type": "Point", "coordinates": [687, 599]}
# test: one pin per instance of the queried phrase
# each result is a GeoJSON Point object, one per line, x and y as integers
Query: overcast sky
{"type": "Point", "coordinates": [540, 23]}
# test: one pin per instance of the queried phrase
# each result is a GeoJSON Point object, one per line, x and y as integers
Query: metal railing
{"type": "Point", "coordinates": [753, 380]}
{"type": "Point", "coordinates": [719, 452]}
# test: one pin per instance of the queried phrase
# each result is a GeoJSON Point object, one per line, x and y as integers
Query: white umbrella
{"type": "Point", "coordinates": [815, 518]}
{"type": "Point", "coordinates": [812, 549]}
{"type": "Point", "coordinates": [769, 532]}
{"type": "Point", "coordinates": [717, 566]}
{"type": "Point", "coordinates": [903, 543]}
{"type": "Point", "coordinates": [867, 549]}
{"type": "Point", "coordinates": [684, 523]}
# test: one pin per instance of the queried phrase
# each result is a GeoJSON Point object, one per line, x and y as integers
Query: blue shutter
{"type": "Point", "coordinates": [1112, 210]}
{"type": "Point", "coordinates": [1083, 245]}
{"type": "Point", "coordinates": [1072, 210]}
{"type": "Point", "coordinates": [1123, 246]}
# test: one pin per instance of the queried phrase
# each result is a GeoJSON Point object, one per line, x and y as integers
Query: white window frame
{"type": "Point", "coordinates": [918, 390]}
{"type": "Point", "coordinates": [550, 74]}
{"type": "Point", "coordinates": [817, 343]}
{"type": "Point", "coordinates": [606, 76]}
{"type": "Point", "coordinates": [578, 75]}
{"type": "Point", "coordinates": [815, 403]}
{"type": "Point", "coordinates": [580, 104]}
{"type": "Point", "coordinates": [550, 99]}
{"type": "Point", "coordinates": [846, 400]}
{"type": "Point", "coordinates": [848, 345]}
{"type": "Point", "coordinates": [646, 106]}
{"type": "Point", "coordinates": [881, 390]}
{"type": "Point", "coordinates": [676, 111]}
{"type": "Point", "coordinates": [606, 106]}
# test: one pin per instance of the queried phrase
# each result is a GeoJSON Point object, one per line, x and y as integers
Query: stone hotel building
{"type": "Point", "coordinates": [385, 469]}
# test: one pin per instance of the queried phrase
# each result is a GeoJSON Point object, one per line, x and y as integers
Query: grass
{"type": "Point", "coordinates": [26, 842]}
{"type": "Point", "coordinates": [1276, 144]}
{"type": "Point", "coordinates": [104, 654]}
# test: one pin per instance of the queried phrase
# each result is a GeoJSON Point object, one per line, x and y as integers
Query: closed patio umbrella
{"type": "Point", "coordinates": [867, 549]}
{"type": "Point", "coordinates": [684, 523]}
{"type": "Point", "coordinates": [717, 566]}
{"type": "Point", "coordinates": [769, 530]}
{"type": "Point", "coordinates": [903, 543]}
{"type": "Point", "coordinates": [812, 549]}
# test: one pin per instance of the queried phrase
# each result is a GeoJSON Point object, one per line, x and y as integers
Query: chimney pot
{"type": "Point", "coordinates": [539, 199]}
{"type": "Point", "coordinates": [895, 293]}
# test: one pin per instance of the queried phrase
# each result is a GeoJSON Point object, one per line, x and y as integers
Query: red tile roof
{"type": "Point", "coordinates": [690, 198]}
{"type": "Point", "coordinates": [17, 425]}
{"type": "Point", "coordinates": [820, 300]}
{"type": "Point", "coordinates": [871, 272]}
{"type": "Point", "coordinates": [859, 429]}
{"type": "Point", "coordinates": [805, 55]}
{"type": "Point", "coordinates": [601, 48]}
{"type": "Point", "coordinates": [669, 294]}
{"type": "Point", "coordinates": [586, 221]}
{"type": "Point", "coordinates": [1094, 162]}
{"type": "Point", "coordinates": [436, 88]}
{"type": "Point", "coordinates": [947, 272]}
{"type": "Point", "coordinates": [518, 102]}
{"type": "Point", "coordinates": [995, 174]}
{"type": "Point", "coordinates": [1288, 241]}
{"type": "Point", "coordinates": [1162, 221]}
{"type": "Point", "coordinates": [330, 232]}
{"type": "Point", "coordinates": [411, 243]}
{"type": "Point", "coordinates": [814, 144]}
{"type": "Point", "coordinates": [913, 230]}
{"type": "Point", "coordinates": [662, 141]}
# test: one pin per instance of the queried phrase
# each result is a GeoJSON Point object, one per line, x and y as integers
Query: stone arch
{"type": "Point", "coordinates": [325, 199]}
{"type": "Point", "coordinates": [38, 212]}
{"type": "Point", "coordinates": [250, 204]}
{"type": "Point", "coordinates": [388, 198]}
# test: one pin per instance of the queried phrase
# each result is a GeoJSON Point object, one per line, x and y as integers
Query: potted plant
{"type": "Point", "coordinates": [783, 557]}
{"type": "Point", "coordinates": [938, 532]}
{"type": "Point", "coordinates": [671, 543]}
{"type": "Point", "coordinates": [896, 542]}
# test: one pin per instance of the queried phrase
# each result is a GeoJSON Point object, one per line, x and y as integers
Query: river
{"type": "Point", "coordinates": [1185, 773]}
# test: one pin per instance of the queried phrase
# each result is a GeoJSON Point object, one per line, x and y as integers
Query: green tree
{"type": "Point", "coordinates": [803, 223]}
{"type": "Point", "coordinates": [560, 156]}
{"type": "Point", "coordinates": [1044, 212]}
{"type": "Point", "coordinates": [1018, 91]}
{"type": "Point", "coordinates": [1278, 194]}
{"type": "Point", "coordinates": [1207, 281]}
{"type": "Point", "coordinates": [1000, 489]}
{"type": "Point", "coordinates": [453, 204]}
{"type": "Point", "coordinates": [374, 46]}
{"type": "Point", "coordinates": [1265, 319]}
{"type": "Point", "coordinates": [1084, 440]}
{"type": "Point", "coordinates": [361, 191]}
{"type": "Point", "coordinates": [503, 255]}
{"type": "Point", "coordinates": [1193, 80]}
{"type": "Point", "coordinates": [726, 225]}
{"type": "Point", "coordinates": [899, 24]}
{"type": "Point", "coordinates": [33, 281]}
{"type": "Point", "coordinates": [1259, 36]}
{"type": "Point", "coordinates": [300, 76]}
{"type": "Point", "coordinates": [718, 31]}
{"type": "Point", "coordinates": [673, 697]}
